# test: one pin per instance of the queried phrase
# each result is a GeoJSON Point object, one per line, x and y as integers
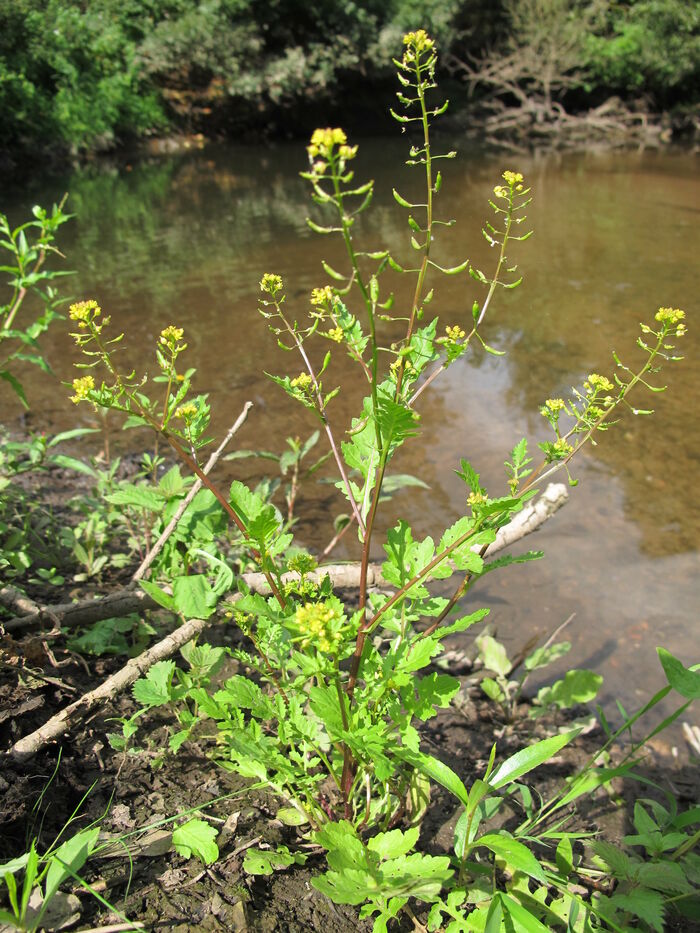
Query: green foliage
{"type": "Point", "coordinates": [649, 47]}
{"type": "Point", "coordinates": [198, 838]}
{"type": "Point", "coordinates": [577, 686]}
{"type": "Point", "coordinates": [29, 246]}
{"type": "Point", "coordinates": [327, 707]}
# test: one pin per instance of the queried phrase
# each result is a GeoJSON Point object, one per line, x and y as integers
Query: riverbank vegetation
{"type": "Point", "coordinates": [81, 78]}
{"type": "Point", "coordinates": [323, 691]}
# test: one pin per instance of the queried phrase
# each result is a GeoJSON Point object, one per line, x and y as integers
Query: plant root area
{"type": "Point", "coordinates": [136, 796]}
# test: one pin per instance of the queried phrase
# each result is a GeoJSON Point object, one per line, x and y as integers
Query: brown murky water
{"type": "Point", "coordinates": [185, 241]}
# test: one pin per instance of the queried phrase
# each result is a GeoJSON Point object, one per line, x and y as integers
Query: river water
{"type": "Point", "coordinates": [185, 239]}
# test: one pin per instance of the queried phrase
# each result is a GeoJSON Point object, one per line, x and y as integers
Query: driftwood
{"type": "Point", "coordinates": [342, 575]}
{"type": "Point", "coordinates": [62, 722]}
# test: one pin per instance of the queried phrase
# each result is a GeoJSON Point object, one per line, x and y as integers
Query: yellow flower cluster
{"type": "Point", "coordinates": [323, 141]}
{"type": "Point", "coordinates": [187, 412]}
{"type": "Point", "coordinates": [562, 448]}
{"type": "Point", "coordinates": [320, 296]}
{"type": "Point", "coordinates": [476, 498]}
{"type": "Point", "coordinates": [336, 333]}
{"type": "Point", "coordinates": [408, 366]}
{"type": "Point", "coordinates": [82, 388]}
{"type": "Point", "coordinates": [673, 317]}
{"type": "Point", "coordinates": [596, 382]}
{"type": "Point", "coordinates": [302, 381]}
{"type": "Point", "coordinates": [271, 283]}
{"type": "Point", "coordinates": [512, 178]}
{"type": "Point", "coordinates": [84, 310]}
{"type": "Point", "coordinates": [170, 335]}
{"type": "Point", "coordinates": [417, 42]}
{"type": "Point", "coordinates": [455, 333]}
{"type": "Point", "coordinates": [319, 623]}
{"type": "Point", "coordinates": [554, 404]}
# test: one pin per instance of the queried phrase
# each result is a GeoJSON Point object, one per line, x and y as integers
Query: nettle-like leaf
{"type": "Point", "coordinates": [352, 329]}
{"type": "Point", "coordinates": [645, 904]}
{"type": "Point", "coordinates": [197, 837]}
{"type": "Point", "coordinates": [463, 557]}
{"type": "Point", "coordinates": [202, 659]}
{"type": "Point", "coordinates": [397, 421]}
{"type": "Point", "coordinates": [382, 870]}
{"type": "Point", "coordinates": [154, 688]}
{"type": "Point", "coordinates": [141, 497]}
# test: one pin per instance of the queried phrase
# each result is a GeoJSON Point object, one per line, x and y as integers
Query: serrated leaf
{"type": "Point", "coordinates": [618, 861]}
{"type": "Point", "coordinates": [193, 596]}
{"type": "Point", "coordinates": [541, 657]}
{"type": "Point", "coordinates": [197, 837]}
{"type": "Point", "coordinates": [394, 843]}
{"type": "Point", "coordinates": [154, 688]}
{"type": "Point", "coordinates": [645, 904]}
{"type": "Point", "coordinates": [138, 496]}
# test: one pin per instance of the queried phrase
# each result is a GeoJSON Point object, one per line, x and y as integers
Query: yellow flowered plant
{"type": "Point", "coordinates": [82, 387]}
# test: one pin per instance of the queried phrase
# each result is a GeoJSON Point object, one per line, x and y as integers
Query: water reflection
{"type": "Point", "coordinates": [185, 240]}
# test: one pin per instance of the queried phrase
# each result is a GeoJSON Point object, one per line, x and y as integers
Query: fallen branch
{"type": "Point", "coordinates": [343, 576]}
{"type": "Point", "coordinates": [62, 722]}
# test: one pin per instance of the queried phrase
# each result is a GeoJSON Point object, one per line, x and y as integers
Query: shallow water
{"type": "Point", "coordinates": [185, 240]}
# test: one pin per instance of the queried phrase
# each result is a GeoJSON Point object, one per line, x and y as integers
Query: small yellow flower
{"type": "Point", "coordinates": [455, 333]}
{"type": "Point", "coordinates": [170, 335]}
{"type": "Point", "coordinates": [84, 310]}
{"type": "Point", "coordinates": [512, 178]}
{"type": "Point", "coordinates": [670, 316]}
{"type": "Point", "coordinates": [320, 296]}
{"type": "Point", "coordinates": [562, 448]}
{"type": "Point", "coordinates": [324, 140]}
{"type": "Point", "coordinates": [596, 383]}
{"type": "Point", "coordinates": [408, 366]}
{"type": "Point", "coordinates": [271, 283]}
{"type": "Point", "coordinates": [82, 388]}
{"type": "Point", "coordinates": [336, 334]}
{"type": "Point", "coordinates": [302, 381]}
{"type": "Point", "coordinates": [476, 499]}
{"type": "Point", "coordinates": [419, 41]}
{"type": "Point", "coordinates": [187, 412]}
{"type": "Point", "coordinates": [500, 191]}
{"type": "Point", "coordinates": [319, 623]}
{"type": "Point", "coordinates": [554, 405]}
